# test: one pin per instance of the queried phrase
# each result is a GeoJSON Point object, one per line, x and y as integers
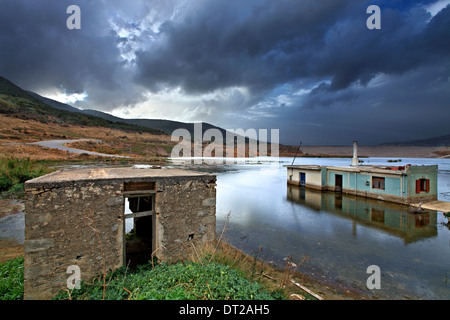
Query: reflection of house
{"type": "Point", "coordinates": [389, 217]}
{"type": "Point", "coordinates": [404, 184]}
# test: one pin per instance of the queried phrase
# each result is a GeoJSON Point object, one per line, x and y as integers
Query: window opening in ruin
{"type": "Point", "coordinates": [139, 226]}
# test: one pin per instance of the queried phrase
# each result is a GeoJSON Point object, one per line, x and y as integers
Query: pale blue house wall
{"type": "Point", "coordinates": [361, 183]}
{"type": "Point", "coordinates": [399, 185]}
{"type": "Point", "coordinates": [422, 172]}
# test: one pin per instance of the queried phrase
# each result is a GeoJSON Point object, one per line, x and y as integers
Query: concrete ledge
{"type": "Point", "coordinates": [442, 206]}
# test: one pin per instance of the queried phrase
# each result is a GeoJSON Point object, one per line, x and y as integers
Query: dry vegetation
{"type": "Point", "coordinates": [15, 133]}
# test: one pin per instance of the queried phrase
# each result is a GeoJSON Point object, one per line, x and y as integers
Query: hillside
{"type": "Point", "coordinates": [18, 103]}
{"type": "Point", "coordinates": [28, 117]}
{"type": "Point", "coordinates": [167, 126]}
{"type": "Point", "coordinates": [442, 141]}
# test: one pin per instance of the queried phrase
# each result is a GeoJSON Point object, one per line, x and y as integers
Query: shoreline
{"type": "Point", "coordinates": [11, 249]}
{"type": "Point", "coordinates": [327, 288]}
{"type": "Point", "coordinates": [64, 150]}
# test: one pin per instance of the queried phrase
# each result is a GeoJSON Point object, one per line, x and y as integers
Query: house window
{"type": "Point", "coordinates": [422, 185]}
{"type": "Point", "coordinates": [378, 183]}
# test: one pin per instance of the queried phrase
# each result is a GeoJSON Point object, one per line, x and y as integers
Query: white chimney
{"type": "Point", "coordinates": [355, 155]}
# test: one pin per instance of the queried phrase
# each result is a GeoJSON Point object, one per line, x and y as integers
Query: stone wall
{"type": "Point", "coordinates": [71, 224]}
{"type": "Point", "coordinates": [185, 217]}
{"type": "Point", "coordinates": [81, 223]}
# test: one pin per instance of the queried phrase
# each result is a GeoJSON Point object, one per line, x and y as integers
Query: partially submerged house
{"type": "Point", "coordinates": [78, 217]}
{"type": "Point", "coordinates": [403, 184]}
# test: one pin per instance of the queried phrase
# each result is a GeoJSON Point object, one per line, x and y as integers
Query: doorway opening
{"type": "Point", "coordinates": [139, 229]}
{"type": "Point", "coordinates": [338, 183]}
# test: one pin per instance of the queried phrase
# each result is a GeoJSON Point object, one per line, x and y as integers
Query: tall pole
{"type": "Point", "coordinates": [296, 152]}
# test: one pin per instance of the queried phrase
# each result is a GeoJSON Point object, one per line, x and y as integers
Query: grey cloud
{"type": "Point", "coordinates": [206, 46]}
{"type": "Point", "coordinates": [216, 47]}
{"type": "Point", "coordinates": [412, 106]}
{"type": "Point", "coordinates": [39, 53]}
{"type": "Point", "coordinates": [283, 41]}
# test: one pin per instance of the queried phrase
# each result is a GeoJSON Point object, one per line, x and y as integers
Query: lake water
{"type": "Point", "coordinates": [341, 235]}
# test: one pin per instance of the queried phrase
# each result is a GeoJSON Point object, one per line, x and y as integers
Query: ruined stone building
{"type": "Point", "coordinates": [78, 218]}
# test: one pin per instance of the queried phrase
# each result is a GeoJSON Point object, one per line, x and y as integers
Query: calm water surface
{"type": "Point", "coordinates": [341, 235]}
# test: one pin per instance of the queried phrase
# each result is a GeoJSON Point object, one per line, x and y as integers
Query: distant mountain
{"type": "Point", "coordinates": [166, 126]}
{"type": "Point", "coordinates": [442, 141]}
{"type": "Point", "coordinates": [10, 89]}
{"type": "Point", "coordinates": [16, 102]}
{"type": "Point", "coordinates": [29, 105]}
{"type": "Point", "coordinates": [54, 103]}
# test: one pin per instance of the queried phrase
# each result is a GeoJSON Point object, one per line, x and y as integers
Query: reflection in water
{"type": "Point", "coordinates": [392, 218]}
{"type": "Point", "coordinates": [340, 234]}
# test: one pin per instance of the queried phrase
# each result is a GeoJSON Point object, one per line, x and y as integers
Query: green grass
{"type": "Point", "coordinates": [179, 281]}
{"type": "Point", "coordinates": [14, 173]}
{"type": "Point", "coordinates": [11, 279]}
{"type": "Point", "coordinates": [218, 278]}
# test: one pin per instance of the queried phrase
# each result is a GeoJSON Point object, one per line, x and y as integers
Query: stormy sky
{"type": "Point", "coordinates": [310, 68]}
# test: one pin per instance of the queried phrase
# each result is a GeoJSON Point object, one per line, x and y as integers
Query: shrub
{"type": "Point", "coordinates": [14, 172]}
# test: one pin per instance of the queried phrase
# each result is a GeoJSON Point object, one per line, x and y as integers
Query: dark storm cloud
{"type": "Point", "coordinates": [392, 108]}
{"type": "Point", "coordinates": [213, 47]}
{"type": "Point", "coordinates": [321, 48]}
{"type": "Point", "coordinates": [39, 53]}
{"type": "Point", "coordinates": [38, 49]}
{"type": "Point", "coordinates": [219, 45]}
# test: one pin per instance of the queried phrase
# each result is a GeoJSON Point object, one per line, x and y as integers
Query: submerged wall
{"type": "Point", "coordinates": [315, 178]}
